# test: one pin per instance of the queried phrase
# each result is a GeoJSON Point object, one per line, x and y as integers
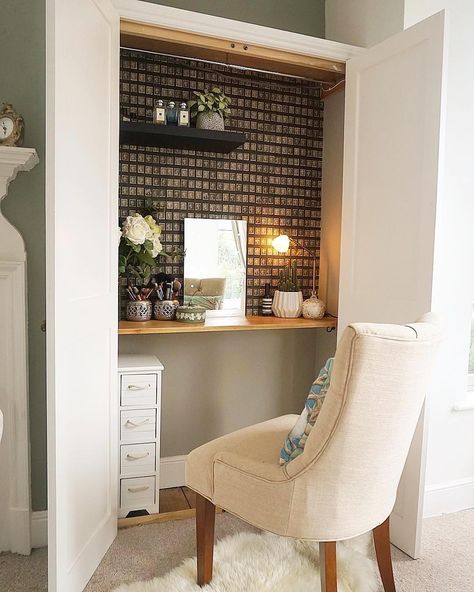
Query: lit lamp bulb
{"type": "Point", "coordinates": [281, 243]}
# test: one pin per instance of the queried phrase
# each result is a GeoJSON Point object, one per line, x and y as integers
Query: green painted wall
{"type": "Point", "coordinates": [299, 16]}
{"type": "Point", "coordinates": [22, 51]}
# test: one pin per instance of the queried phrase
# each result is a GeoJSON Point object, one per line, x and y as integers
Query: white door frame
{"type": "Point", "coordinates": [203, 24]}
{"type": "Point", "coordinates": [82, 157]}
{"type": "Point", "coordinates": [384, 199]}
{"type": "Point", "coordinates": [215, 26]}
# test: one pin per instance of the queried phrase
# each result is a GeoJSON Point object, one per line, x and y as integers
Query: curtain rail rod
{"type": "Point", "coordinates": [245, 68]}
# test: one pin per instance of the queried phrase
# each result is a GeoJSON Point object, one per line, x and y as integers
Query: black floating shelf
{"type": "Point", "coordinates": [184, 138]}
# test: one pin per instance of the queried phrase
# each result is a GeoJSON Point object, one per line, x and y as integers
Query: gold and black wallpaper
{"type": "Point", "coordinates": [273, 181]}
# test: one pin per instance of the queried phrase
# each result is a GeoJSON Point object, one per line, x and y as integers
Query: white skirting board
{"type": "Point", "coordinates": [172, 475]}
{"type": "Point", "coordinates": [449, 497]}
{"type": "Point", "coordinates": [39, 529]}
{"type": "Point", "coordinates": [172, 471]}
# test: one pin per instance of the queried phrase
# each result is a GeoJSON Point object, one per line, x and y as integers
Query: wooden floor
{"type": "Point", "coordinates": [177, 503]}
{"type": "Point", "coordinates": [176, 499]}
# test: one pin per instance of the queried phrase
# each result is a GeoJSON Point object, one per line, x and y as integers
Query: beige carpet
{"type": "Point", "coordinates": [149, 551]}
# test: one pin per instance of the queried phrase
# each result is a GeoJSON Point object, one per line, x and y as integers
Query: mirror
{"type": "Point", "coordinates": [215, 265]}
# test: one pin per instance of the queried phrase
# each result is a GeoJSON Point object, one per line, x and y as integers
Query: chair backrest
{"type": "Point", "coordinates": [359, 444]}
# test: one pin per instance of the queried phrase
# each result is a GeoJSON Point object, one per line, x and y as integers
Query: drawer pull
{"type": "Point", "coordinates": [136, 387]}
{"type": "Point", "coordinates": [137, 456]}
{"type": "Point", "coordinates": [136, 424]}
{"type": "Point", "coordinates": [137, 489]}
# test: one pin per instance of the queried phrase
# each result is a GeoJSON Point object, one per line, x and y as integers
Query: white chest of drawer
{"type": "Point", "coordinates": [139, 433]}
{"type": "Point", "coordinates": [137, 425]}
{"type": "Point", "coordinates": [137, 459]}
{"type": "Point", "coordinates": [138, 389]}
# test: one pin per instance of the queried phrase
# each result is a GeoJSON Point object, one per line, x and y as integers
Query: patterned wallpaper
{"type": "Point", "coordinates": [273, 181]}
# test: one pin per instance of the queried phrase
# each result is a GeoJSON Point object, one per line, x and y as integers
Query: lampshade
{"type": "Point", "coordinates": [281, 243]}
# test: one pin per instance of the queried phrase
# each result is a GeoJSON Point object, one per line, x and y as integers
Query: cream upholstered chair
{"type": "Point", "coordinates": [345, 482]}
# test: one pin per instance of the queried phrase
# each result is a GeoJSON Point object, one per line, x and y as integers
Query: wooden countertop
{"type": "Point", "coordinates": [214, 324]}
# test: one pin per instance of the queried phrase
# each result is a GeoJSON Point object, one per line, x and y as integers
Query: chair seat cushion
{"type": "Point", "coordinates": [258, 443]}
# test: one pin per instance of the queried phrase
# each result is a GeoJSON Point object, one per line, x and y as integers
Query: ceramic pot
{"type": "Point", "coordinates": [165, 310]}
{"type": "Point", "coordinates": [191, 314]}
{"type": "Point", "coordinates": [139, 310]}
{"type": "Point", "coordinates": [210, 120]}
{"type": "Point", "coordinates": [287, 305]}
{"type": "Point", "coordinates": [313, 308]}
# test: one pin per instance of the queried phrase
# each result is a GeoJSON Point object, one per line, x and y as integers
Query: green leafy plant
{"type": "Point", "coordinates": [214, 100]}
{"type": "Point", "coordinates": [288, 280]}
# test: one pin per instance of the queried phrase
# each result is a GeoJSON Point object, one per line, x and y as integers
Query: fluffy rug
{"type": "Point", "coordinates": [266, 563]}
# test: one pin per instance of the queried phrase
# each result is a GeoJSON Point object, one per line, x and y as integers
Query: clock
{"type": "Point", "coordinates": [11, 126]}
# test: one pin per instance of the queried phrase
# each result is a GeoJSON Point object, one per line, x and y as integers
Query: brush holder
{"type": "Point", "coordinates": [139, 310]}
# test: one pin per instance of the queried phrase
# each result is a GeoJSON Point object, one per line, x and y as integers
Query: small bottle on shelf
{"type": "Point", "coordinates": [125, 113]}
{"type": "Point", "coordinates": [159, 116]}
{"type": "Point", "coordinates": [171, 114]}
{"type": "Point", "coordinates": [183, 115]}
{"type": "Point", "coordinates": [267, 301]}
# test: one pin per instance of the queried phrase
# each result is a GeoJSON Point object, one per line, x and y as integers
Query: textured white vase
{"type": "Point", "coordinates": [313, 308]}
{"type": "Point", "coordinates": [210, 120]}
{"type": "Point", "coordinates": [287, 305]}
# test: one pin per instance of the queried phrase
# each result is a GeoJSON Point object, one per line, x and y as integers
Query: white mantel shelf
{"type": "Point", "coordinates": [12, 161]}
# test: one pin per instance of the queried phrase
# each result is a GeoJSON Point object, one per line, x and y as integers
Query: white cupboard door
{"type": "Point", "coordinates": [82, 241]}
{"type": "Point", "coordinates": [394, 110]}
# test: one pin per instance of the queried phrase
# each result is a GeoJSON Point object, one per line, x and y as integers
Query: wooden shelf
{"type": "Point", "coordinates": [184, 138]}
{"type": "Point", "coordinates": [215, 324]}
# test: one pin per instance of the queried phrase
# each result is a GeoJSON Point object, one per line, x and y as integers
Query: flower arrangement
{"type": "Point", "coordinates": [214, 101]}
{"type": "Point", "coordinates": [140, 246]}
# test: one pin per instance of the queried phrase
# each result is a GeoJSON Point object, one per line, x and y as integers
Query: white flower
{"type": "Point", "coordinates": [157, 246]}
{"type": "Point", "coordinates": [154, 227]}
{"type": "Point", "coordinates": [136, 230]}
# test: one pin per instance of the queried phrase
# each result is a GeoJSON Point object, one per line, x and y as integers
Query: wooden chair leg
{"type": "Point", "coordinates": [327, 560]}
{"type": "Point", "coordinates": [205, 520]}
{"type": "Point", "coordinates": [381, 536]}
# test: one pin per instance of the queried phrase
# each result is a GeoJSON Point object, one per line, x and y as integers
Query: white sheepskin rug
{"type": "Point", "coordinates": [249, 562]}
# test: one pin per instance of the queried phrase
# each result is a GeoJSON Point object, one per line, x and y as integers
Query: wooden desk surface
{"type": "Point", "coordinates": [215, 324]}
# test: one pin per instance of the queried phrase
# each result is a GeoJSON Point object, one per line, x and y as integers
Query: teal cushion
{"type": "Point", "coordinates": [296, 439]}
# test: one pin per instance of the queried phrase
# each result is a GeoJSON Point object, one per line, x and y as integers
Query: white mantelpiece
{"type": "Point", "coordinates": [12, 161]}
{"type": "Point", "coordinates": [15, 508]}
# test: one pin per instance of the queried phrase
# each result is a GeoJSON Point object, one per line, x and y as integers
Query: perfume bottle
{"type": "Point", "coordinates": [183, 115]}
{"type": "Point", "coordinates": [125, 113]}
{"type": "Point", "coordinates": [267, 301]}
{"type": "Point", "coordinates": [171, 114]}
{"type": "Point", "coordinates": [159, 116]}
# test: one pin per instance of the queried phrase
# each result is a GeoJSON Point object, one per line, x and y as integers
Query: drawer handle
{"type": "Point", "coordinates": [137, 387]}
{"type": "Point", "coordinates": [137, 456]}
{"type": "Point", "coordinates": [136, 424]}
{"type": "Point", "coordinates": [137, 489]}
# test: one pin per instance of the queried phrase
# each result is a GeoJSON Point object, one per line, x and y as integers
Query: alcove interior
{"type": "Point", "coordinates": [285, 179]}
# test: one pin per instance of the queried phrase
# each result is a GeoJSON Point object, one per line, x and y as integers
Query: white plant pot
{"type": "Point", "coordinates": [210, 120]}
{"type": "Point", "coordinates": [287, 305]}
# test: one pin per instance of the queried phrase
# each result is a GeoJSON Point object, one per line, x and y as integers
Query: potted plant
{"type": "Point", "coordinates": [140, 246]}
{"type": "Point", "coordinates": [209, 109]}
{"type": "Point", "coordinates": [288, 299]}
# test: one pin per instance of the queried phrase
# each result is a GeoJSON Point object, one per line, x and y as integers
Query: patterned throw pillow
{"type": "Point", "coordinates": [296, 439]}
